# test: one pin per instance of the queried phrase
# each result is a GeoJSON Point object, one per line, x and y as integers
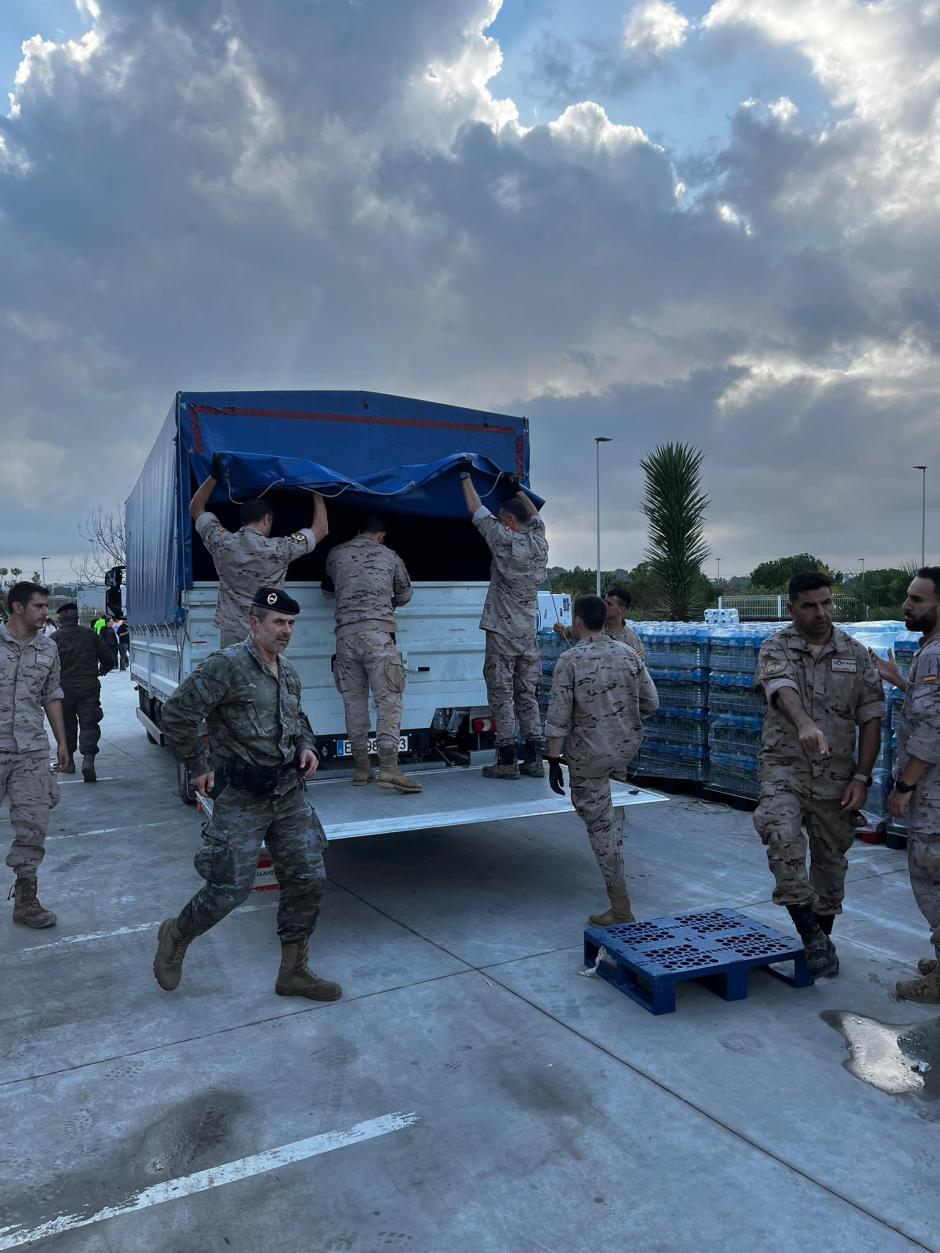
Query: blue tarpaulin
{"type": "Point", "coordinates": [389, 454]}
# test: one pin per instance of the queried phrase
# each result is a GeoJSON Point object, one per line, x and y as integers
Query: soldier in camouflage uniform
{"type": "Point", "coordinates": [252, 556]}
{"type": "Point", "coordinates": [618, 601]}
{"type": "Point", "coordinates": [512, 666]}
{"type": "Point", "coordinates": [369, 582]}
{"type": "Point", "coordinates": [83, 657]}
{"type": "Point", "coordinates": [821, 688]}
{"type": "Point", "coordinates": [917, 780]}
{"type": "Point", "coordinates": [601, 695]}
{"type": "Point", "coordinates": [261, 749]}
{"type": "Point", "coordinates": [29, 686]}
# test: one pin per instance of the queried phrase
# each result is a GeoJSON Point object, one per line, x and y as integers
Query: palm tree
{"type": "Point", "coordinates": [675, 510]}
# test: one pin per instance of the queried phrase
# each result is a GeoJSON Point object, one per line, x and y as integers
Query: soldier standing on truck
{"type": "Point", "coordinates": [83, 658]}
{"type": "Point", "coordinates": [601, 695]}
{"type": "Point", "coordinates": [369, 582]}
{"type": "Point", "coordinates": [261, 749]}
{"type": "Point", "coordinates": [512, 667]}
{"type": "Point", "coordinates": [29, 687]}
{"type": "Point", "coordinates": [251, 556]}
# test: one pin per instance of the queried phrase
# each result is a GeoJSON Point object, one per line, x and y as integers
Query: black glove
{"type": "Point", "coordinates": [556, 779]}
{"type": "Point", "coordinates": [218, 465]}
{"type": "Point", "coordinates": [513, 484]}
{"type": "Point", "coordinates": [326, 584]}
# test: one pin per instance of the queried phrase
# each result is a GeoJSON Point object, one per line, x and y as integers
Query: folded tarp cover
{"type": "Point", "coordinates": [429, 488]}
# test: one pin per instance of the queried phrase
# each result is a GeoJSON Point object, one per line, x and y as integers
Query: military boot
{"type": "Point", "coordinates": [171, 949]}
{"type": "Point", "coordinates": [620, 911]}
{"type": "Point", "coordinates": [364, 772]}
{"type": "Point", "coordinates": [70, 768]}
{"type": "Point", "coordinates": [26, 907]}
{"type": "Point", "coordinates": [821, 957]}
{"type": "Point", "coordinates": [533, 760]}
{"type": "Point", "coordinates": [825, 922]}
{"type": "Point", "coordinates": [88, 768]}
{"type": "Point", "coordinates": [295, 978]}
{"type": "Point", "coordinates": [390, 775]}
{"type": "Point", "coordinates": [927, 965]}
{"type": "Point", "coordinates": [925, 991]}
{"type": "Point", "coordinates": [505, 766]}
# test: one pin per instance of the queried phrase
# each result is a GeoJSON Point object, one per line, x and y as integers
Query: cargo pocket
{"type": "Point", "coordinates": [395, 674]}
{"type": "Point", "coordinates": [214, 861]}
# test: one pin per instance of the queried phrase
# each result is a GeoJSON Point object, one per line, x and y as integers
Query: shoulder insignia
{"type": "Point", "coordinates": [297, 536]}
{"type": "Point", "coordinates": [929, 678]}
{"type": "Point", "coordinates": [774, 667]}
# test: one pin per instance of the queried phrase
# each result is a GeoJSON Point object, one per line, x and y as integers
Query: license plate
{"type": "Point", "coordinates": [344, 748]}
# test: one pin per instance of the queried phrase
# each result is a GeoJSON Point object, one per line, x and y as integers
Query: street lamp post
{"type": "Point", "coordinates": [43, 561]}
{"type": "Point", "coordinates": [923, 514]}
{"type": "Point", "coordinates": [598, 440]}
{"type": "Point", "coordinates": [864, 597]}
{"type": "Point", "coordinates": [718, 579]}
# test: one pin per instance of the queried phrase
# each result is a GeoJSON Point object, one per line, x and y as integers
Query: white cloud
{"type": "Point", "coordinates": [655, 27]}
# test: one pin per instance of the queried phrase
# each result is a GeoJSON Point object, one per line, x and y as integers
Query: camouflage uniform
{"type": "Point", "coordinates": [245, 561]}
{"type": "Point", "coordinates": [627, 635]}
{"type": "Point", "coordinates": [840, 691]}
{"type": "Point", "coordinates": [29, 679]}
{"type": "Point", "coordinates": [254, 720]}
{"type": "Point", "coordinates": [601, 693]}
{"type": "Point", "coordinates": [512, 664]}
{"type": "Point", "coordinates": [83, 655]}
{"type": "Point", "coordinates": [369, 582]}
{"type": "Point", "coordinates": [919, 736]}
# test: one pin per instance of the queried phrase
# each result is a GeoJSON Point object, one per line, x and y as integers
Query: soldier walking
{"type": "Point", "coordinates": [369, 582]}
{"type": "Point", "coordinates": [820, 687]}
{"type": "Point", "coordinates": [917, 781]}
{"type": "Point", "coordinates": [251, 556]}
{"type": "Point", "coordinates": [261, 749]}
{"type": "Point", "coordinates": [512, 666]}
{"type": "Point", "coordinates": [601, 695]}
{"type": "Point", "coordinates": [83, 658]}
{"type": "Point", "coordinates": [29, 687]}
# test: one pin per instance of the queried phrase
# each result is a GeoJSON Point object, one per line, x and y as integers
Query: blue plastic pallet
{"type": "Point", "coordinates": [646, 960]}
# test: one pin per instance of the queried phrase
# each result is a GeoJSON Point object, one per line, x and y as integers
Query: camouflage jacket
{"type": "Point", "coordinates": [83, 656]}
{"type": "Point", "coordinates": [245, 561]}
{"type": "Point", "coordinates": [518, 570]}
{"type": "Point", "coordinates": [627, 635]}
{"type": "Point", "coordinates": [29, 679]}
{"type": "Point", "coordinates": [840, 690]}
{"type": "Point", "coordinates": [601, 693]}
{"type": "Point", "coordinates": [250, 714]}
{"type": "Point", "coordinates": [369, 582]}
{"type": "Point", "coordinates": [919, 736]}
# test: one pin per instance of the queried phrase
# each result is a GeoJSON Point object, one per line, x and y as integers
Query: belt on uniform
{"type": "Point", "coordinates": [264, 780]}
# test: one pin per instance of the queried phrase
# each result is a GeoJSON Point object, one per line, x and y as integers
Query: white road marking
{"type": "Point", "coordinates": [230, 1172]}
{"type": "Point", "coordinates": [143, 926]}
{"type": "Point", "coordinates": [133, 826]}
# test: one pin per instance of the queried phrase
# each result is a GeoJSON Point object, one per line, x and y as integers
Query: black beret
{"type": "Point", "coordinates": [71, 607]}
{"type": "Point", "coordinates": [276, 599]}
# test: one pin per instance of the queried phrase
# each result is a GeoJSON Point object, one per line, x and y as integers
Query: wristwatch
{"type": "Point", "coordinates": [901, 786]}
{"type": "Point", "coordinates": [864, 778]}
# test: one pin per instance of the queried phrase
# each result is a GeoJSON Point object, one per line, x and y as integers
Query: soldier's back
{"type": "Point", "coordinates": [78, 653]}
{"type": "Point", "coordinates": [363, 574]}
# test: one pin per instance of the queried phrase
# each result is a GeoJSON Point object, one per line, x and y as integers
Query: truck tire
{"type": "Point", "coordinates": [184, 784]}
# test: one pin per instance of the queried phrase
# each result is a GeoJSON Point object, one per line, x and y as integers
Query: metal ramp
{"type": "Point", "coordinates": [454, 797]}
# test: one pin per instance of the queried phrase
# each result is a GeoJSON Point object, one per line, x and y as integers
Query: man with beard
{"type": "Point", "coordinates": [917, 778]}
{"type": "Point", "coordinates": [820, 687]}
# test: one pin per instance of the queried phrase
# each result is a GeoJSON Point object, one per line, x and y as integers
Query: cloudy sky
{"type": "Point", "coordinates": [705, 221]}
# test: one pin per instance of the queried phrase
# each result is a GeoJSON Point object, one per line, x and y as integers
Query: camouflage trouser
{"type": "Point", "coordinates": [228, 860]}
{"type": "Point", "coordinates": [81, 709]}
{"type": "Point", "coordinates": [591, 799]}
{"type": "Point", "coordinates": [780, 819]}
{"type": "Point", "coordinates": [512, 669]}
{"type": "Point", "coordinates": [232, 635]}
{"type": "Point", "coordinates": [923, 861]}
{"type": "Point", "coordinates": [32, 790]}
{"type": "Point", "coordinates": [369, 660]}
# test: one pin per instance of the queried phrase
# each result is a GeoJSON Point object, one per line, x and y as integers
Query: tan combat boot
{"type": "Point", "coordinates": [364, 772]}
{"type": "Point", "coordinates": [171, 949]}
{"type": "Point", "coordinates": [925, 991]}
{"type": "Point", "coordinates": [390, 775]}
{"type": "Point", "coordinates": [26, 907]}
{"type": "Point", "coordinates": [505, 766]}
{"type": "Point", "coordinates": [619, 912]}
{"type": "Point", "coordinates": [927, 965]}
{"type": "Point", "coordinates": [295, 978]}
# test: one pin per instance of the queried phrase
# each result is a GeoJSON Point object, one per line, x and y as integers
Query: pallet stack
{"type": "Point", "coordinates": [675, 745]}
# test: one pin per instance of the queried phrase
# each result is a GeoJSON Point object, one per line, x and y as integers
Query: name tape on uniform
{"type": "Point", "coordinates": [845, 665]}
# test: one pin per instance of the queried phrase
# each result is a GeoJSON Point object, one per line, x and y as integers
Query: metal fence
{"type": "Point", "coordinates": [774, 608]}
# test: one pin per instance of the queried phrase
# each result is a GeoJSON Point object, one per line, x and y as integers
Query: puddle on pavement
{"type": "Point", "coordinates": [893, 1057]}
